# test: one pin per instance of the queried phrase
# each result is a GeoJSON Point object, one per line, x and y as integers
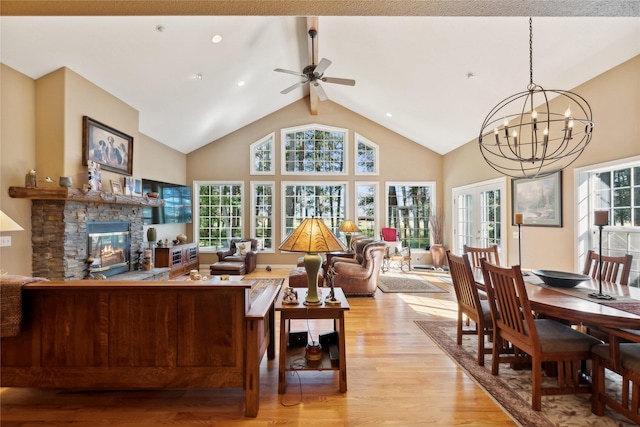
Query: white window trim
{"type": "Point", "coordinates": [196, 210]}
{"type": "Point", "coordinates": [263, 140]}
{"type": "Point", "coordinates": [581, 204]}
{"type": "Point", "coordinates": [285, 184]}
{"type": "Point", "coordinates": [283, 163]}
{"type": "Point", "coordinates": [253, 213]}
{"type": "Point", "coordinates": [358, 137]}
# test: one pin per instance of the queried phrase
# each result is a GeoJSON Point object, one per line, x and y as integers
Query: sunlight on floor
{"type": "Point", "coordinates": [433, 307]}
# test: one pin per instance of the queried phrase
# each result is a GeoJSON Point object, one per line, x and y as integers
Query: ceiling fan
{"type": "Point", "coordinates": [314, 74]}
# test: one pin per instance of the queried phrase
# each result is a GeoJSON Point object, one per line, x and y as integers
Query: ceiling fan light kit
{"type": "Point", "coordinates": [522, 137]}
{"type": "Point", "coordinates": [314, 74]}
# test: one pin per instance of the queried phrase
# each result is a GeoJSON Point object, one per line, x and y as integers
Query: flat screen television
{"type": "Point", "coordinates": [177, 203]}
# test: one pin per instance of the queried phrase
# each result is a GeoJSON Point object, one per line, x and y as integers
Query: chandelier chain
{"type": "Point", "coordinates": [530, 52]}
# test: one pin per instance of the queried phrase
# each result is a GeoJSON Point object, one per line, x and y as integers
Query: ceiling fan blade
{"type": "Point", "coordinates": [320, 91]}
{"type": "Point", "coordinates": [347, 82]}
{"type": "Point", "coordinates": [292, 87]}
{"type": "Point", "coordinates": [295, 73]}
{"type": "Point", "coordinates": [322, 66]}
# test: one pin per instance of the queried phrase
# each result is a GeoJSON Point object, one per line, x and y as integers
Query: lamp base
{"type": "Point", "coordinates": [305, 302]}
{"type": "Point", "coordinates": [600, 296]}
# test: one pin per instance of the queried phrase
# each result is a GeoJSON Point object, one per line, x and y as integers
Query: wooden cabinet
{"type": "Point", "coordinates": [180, 259]}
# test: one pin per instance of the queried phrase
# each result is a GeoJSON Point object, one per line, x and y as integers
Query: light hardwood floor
{"type": "Point", "coordinates": [396, 376]}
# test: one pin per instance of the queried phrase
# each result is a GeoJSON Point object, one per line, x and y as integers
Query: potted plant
{"type": "Point", "coordinates": [436, 248]}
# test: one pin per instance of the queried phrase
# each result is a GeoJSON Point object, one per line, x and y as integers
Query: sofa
{"type": "Point", "coordinates": [241, 250]}
{"type": "Point", "coordinates": [360, 279]}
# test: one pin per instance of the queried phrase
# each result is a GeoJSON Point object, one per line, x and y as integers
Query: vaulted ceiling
{"type": "Point", "coordinates": [431, 79]}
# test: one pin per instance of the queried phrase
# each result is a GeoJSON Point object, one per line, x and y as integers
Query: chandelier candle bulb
{"type": "Point", "coordinates": [601, 218]}
{"type": "Point", "coordinates": [519, 218]}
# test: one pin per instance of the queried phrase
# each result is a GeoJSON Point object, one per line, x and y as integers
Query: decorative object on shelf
{"type": "Point", "coordinates": [147, 261]}
{"type": "Point", "coordinates": [65, 181]}
{"type": "Point", "coordinates": [601, 218]}
{"type": "Point", "coordinates": [290, 296]}
{"type": "Point", "coordinates": [105, 145]}
{"type": "Point", "coordinates": [89, 262]}
{"type": "Point", "coordinates": [116, 187]}
{"type": "Point", "coordinates": [535, 141]}
{"type": "Point", "coordinates": [31, 179]}
{"type": "Point", "coordinates": [139, 258]}
{"type": "Point", "coordinates": [181, 238]}
{"type": "Point", "coordinates": [129, 186]}
{"type": "Point", "coordinates": [348, 227]}
{"type": "Point", "coordinates": [195, 275]}
{"type": "Point", "coordinates": [312, 237]}
{"type": "Point", "coordinates": [436, 248]}
{"type": "Point", "coordinates": [152, 234]}
{"type": "Point", "coordinates": [94, 174]}
{"type": "Point", "coordinates": [152, 195]}
{"type": "Point", "coordinates": [539, 200]}
{"type": "Point", "coordinates": [331, 298]}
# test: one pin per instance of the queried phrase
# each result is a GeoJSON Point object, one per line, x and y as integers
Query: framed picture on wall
{"type": "Point", "coordinates": [102, 144]}
{"type": "Point", "coordinates": [539, 200]}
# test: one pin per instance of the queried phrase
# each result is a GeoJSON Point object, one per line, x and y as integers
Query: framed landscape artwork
{"type": "Point", "coordinates": [539, 200]}
{"type": "Point", "coordinates": [104, 145]}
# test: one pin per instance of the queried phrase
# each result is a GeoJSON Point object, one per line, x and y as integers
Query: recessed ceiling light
{"type": "Point", "coordinates": [216, 39]}
{"type": "Point", "coordinates": [389, 115]}
{"type": "Point", "coordinates": [198, 76]}
{"type": "Point", "coordinates": [241, 83]}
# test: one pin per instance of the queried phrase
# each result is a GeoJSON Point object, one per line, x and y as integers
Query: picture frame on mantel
{"type": "Point", "coordinates": [109, 147]}
{"type": "Point", "coordinates": [539, 200]}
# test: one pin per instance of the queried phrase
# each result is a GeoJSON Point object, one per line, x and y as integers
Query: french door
{"type": "Point", "coordinates": [480, 215]}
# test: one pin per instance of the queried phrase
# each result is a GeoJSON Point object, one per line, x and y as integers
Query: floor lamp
{"type": "Point", "coordinates": [601, 218]}
{"type": "Point", "coordinates": [312, 237]}
{"type": "Point", "coordinates": [348, 227]}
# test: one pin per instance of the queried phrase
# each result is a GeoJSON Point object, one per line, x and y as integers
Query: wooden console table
{"type": "Point", "coordinates": [300, 311]}
{"type": "Point", "coordinates": [102, 334]}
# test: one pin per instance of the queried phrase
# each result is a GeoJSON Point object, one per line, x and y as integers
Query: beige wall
{"type": "Point", "coordinates": [615, 100]}
{"type": "Point", "coordinates": [228, 159]}
{"type": "Point", "coordinates": [42, 128]}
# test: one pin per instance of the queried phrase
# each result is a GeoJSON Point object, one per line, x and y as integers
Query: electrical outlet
{"type": "Point", "coordinates": [5, 241]}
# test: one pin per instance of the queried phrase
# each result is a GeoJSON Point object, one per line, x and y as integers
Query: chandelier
{"type": "Point", "coordinates": [522, 137]}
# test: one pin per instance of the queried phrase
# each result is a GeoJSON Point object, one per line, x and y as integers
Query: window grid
{"type": "Point", "coordinates": [326, 201]}
{"type": "Point", "coordinates": [366, 156]}
{"type": "Point", "coordinates": [219, 214]}
{"type": "Point", "coordinates": [366, 208]}
{"type": "Point", "coordinates": [490, 221]}
{"type": "Point", "coordinates": [315, 150]}
{"type": "Point", "coordinates": [263, 215]}
{"type": "Point", "coordinates": [409, 207]}
{"type": "Point", "coordinates": [262, 156]}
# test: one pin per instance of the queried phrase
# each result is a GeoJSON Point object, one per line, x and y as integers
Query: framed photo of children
{"type": "Point", "coordinates": [107, 146]}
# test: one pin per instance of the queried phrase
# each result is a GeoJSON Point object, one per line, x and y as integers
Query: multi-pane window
{"type": "Point", "coordinates": [262, 215]}
{"type": "Point", "coordinates": [314, 149]}
{"type": "Point", "coordinates": [408, 210]}
{"type": "Point", "coordinates": [320, 200]}
{"type": "Point", "coordinates": [262, 156]}
{"type": "Point", "coordinates": [490, 217]}
{"type": "Point", "coordinates": [366, 208]}
{"type": "Point", "coordinates": [366, 156]}
{"type": "Point", "coordinates": [219, 213]}
{"type": "Point", "coordinates": [614, 188]}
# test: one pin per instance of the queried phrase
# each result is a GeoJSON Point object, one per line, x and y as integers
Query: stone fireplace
{"type": "Point", "coordinates": [61, 220]}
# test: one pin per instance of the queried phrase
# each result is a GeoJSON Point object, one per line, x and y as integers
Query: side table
{"type": "Point", "coordinates": [300, 311]}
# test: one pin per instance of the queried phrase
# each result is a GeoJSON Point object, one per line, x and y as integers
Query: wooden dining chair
{"type": "Point", "coordinates": [615, 269]}
{"type": "Point", "coordinates": [490, 253]}
{"type": "Point", "coordinates": [544, 340]}
{"type": "Point", "coordinates": [469, 303]}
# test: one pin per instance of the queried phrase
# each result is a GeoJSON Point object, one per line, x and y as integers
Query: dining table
{"type": "Point", "coordinates": [575, 306]}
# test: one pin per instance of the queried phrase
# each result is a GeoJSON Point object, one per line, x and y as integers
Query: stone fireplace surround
{"type": "Point", "coordinates": [59, 218]}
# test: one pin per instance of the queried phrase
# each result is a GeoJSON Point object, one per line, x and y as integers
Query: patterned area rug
{"type": "Point", "coordinates": [402, 283]}
{"type": "Point", "coordinates": [512, 389]}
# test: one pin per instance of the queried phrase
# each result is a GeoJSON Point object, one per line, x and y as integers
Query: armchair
{"type": "Point", "coordinates": [247, 254]}
{"type": "Point", "coordinates": [394, 252]}
{"type": "Point", "coordinates": [360, 279]}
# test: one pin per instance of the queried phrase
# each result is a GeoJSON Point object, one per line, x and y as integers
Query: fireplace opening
{"type": "Point", "coordinates": [109, 246]}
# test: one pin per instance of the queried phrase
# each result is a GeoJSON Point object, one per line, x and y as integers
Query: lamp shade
{"type": "Point", "coordinates": [312, 236]}
{"type": "Point", "coordinates": [7, 224]}
{"type": "Point", "coordinates": [348, 226]}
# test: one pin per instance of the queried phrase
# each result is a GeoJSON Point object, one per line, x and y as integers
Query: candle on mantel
{"type": "Point", "coordinates": [518, 218]}
{"type": "Point", "coordinates": [601, 218]}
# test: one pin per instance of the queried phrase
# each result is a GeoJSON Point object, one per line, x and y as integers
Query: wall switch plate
{"type": "Point", "coordinates": [5, 241]}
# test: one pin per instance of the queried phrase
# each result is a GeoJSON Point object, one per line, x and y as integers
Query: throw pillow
{"type": "Point", "coordinates": [242, 248]}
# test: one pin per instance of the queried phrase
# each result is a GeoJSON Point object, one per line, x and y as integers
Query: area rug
{"type": "Point", "coordinates": [402, 283]}
{"type": "Point", "coordinates": [512, 389]}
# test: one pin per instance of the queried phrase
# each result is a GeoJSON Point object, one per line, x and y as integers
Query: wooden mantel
{"type": "Point", "coordinates": [77, 195]}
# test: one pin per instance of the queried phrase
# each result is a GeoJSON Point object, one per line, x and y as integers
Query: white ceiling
{"type": "Point", "coordinates": [416, 68]}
